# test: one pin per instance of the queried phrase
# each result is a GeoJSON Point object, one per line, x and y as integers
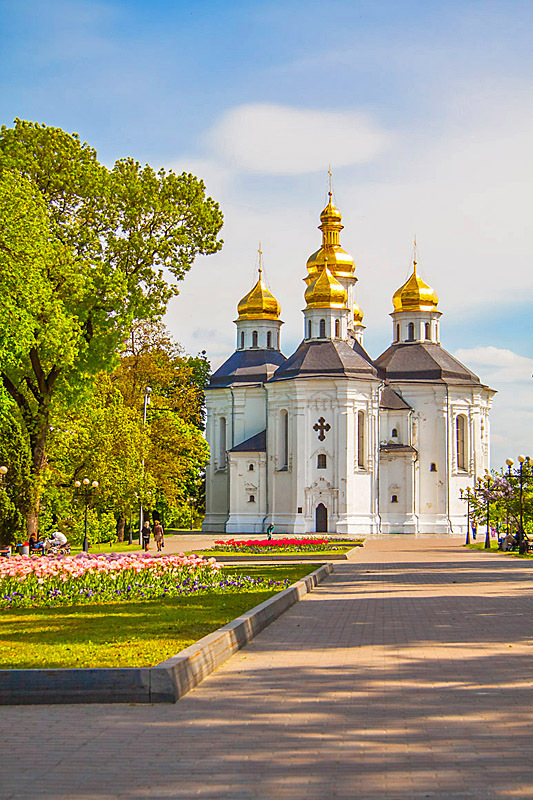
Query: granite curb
{"type": "Point", "coordinates": [238, 558]}
{"type": "Point", "coordinates": [164, 683]}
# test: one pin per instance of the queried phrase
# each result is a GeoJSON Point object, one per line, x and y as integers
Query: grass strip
{"type": "Point", "coordinates": [137, 634]}
{"type": "Point", "coordinates": [494, 549]}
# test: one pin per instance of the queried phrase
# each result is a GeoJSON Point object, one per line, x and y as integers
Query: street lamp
{"type": "Point", "coordinates": [519, 473]}
{"type": "Point", "coordinates": [509, 462]}
{"type": "Point", "coordinates": [147, 393]}
{"type": "Point", "coordinates": [87, 486]}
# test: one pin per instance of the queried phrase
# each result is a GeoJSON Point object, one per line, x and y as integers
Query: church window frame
{"type": "Point", "coordinates": [321, 461]}
{"type": "Point", "coordinates": [222, 442]}
{"type": "Point", "coordinates": [284, 440]}
{"type": "Point", "coordinates": [461, 442]}
{"type": "Point", "coordinates": [322, 332]}
{"type": "Point", "coordinates": [251, 468]}
{"type": "Point", "coordinates": [255, 339]}
{"type": "Point", "coordinates": [251, 498]}
{"type": "Point", "coordinates": [394, 433]}
{"type": "Point", "coordinates": [337, 328]}
{"type": "Point", "coordinates": [242, 340]}
{"type": "Point", "coordinates": [269, 340]}
{"type": "Point", "coordinates": [411, 332]}
{"type": "Point", "coordinates": [427, 330]}
{"type": "Point", "coordinates": [433, 467]}
{"type": "Point", "coordinates": [398, 332]}
{"type": "Point", "coordinates": [394, 498]}
{"type": "Point", "coordinates": [361, 439]}
{"type": "Point", "coordinates": [309, 330]}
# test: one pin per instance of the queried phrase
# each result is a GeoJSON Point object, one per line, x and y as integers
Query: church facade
{"type": "Point", "coordinates": [331, 440]}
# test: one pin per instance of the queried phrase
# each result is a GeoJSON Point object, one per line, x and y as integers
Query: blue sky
{"type": "Point", "coordinates": [424, 110]}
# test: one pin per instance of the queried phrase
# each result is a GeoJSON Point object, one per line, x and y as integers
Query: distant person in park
{"type": "Point", "coordinates": [35, 544]}
{"type": "Point", "coordinates": [159, 535]}
{"type": "Point", "coordinates": [146, 534]}
{"type": "Point", "coordinates": [508, 543]}
{"type": "Point", "coordinates": [270, 530]}
{"type": "Point", "coordinates": [57, 539]}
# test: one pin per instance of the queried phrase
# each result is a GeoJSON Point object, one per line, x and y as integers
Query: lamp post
{"type": "Point", "coordinates": [147, 393]}
{"type": "Point", "coordinates": [487, 534]}
{"type": "Point", "coordinates": [87, 488]}
{"type": "Point", "coordinates": [509, 462]}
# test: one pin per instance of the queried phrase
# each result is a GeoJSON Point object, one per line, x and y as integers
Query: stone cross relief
{"type": "Point", "coordinates": [323, 427]}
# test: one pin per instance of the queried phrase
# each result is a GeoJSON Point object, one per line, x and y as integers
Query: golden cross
{"type": "Point", "coordinates": [330, 176]}
{"type": "Point", "coordinates": [414, 256]}
{"type": "Point", "coordinates": [260, 260]}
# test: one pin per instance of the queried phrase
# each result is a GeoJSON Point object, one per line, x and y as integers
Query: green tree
{"type": "Point", "coordinates": [84, 251]}
{"type": "Point", "coordinates": [14, 488]}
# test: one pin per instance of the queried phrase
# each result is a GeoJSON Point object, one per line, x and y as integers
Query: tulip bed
{"type": "Point", "coordinates": [87, 579]}
{"type": "Point", "coordinates": [292, 545]}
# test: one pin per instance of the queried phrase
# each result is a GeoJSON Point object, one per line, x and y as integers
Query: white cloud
{"type": "Point", "coordinates": [278, 140]}
{"type": "Point", "coordinates": [502, 366]}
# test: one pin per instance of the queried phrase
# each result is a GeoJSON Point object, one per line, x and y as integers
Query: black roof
{"type": "Point", "coordinates": [328, 359]}
{"type": "Point", "coordinates": [423, 361]}
{"type": "Point", "coordinates": [392, 400]}
{"type": "Point", "coordinates": [247, 366]}
{"type": "Point", "coordinates": [254, 444]}
{"type": "Point", "coordinates": [391, 447]}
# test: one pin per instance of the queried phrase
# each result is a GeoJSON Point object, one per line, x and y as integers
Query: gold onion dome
{"type": "Point", "coordinates": [325, 291]}
{"type": "Point", "coordinates": [357, 315]}
{"type": "Point", "coordinates": [259, 303]}
{"type": "Point", "coordinates": [339, 261]}
{"type": "Point", "coordinates": [415, 295]}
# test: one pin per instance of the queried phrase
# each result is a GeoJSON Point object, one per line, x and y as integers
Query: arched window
{"type": "Point", "coordinates": [321, 462]}
{"type": "Point", "coordinates": [251, 498]}
{"type": "Point", "coordinates": [242, 340]}
{"type": "Point", "coordinates": [269, 339]}
{"type": "Point", "coordinates": [394, 433]}
{"type": "Point", "coordinates": [411, 332]}
{"type": "Point", "coordinates": [254, 339]}
{"type": "Point", "coordinates": [222, 443]}
{"type": "Point", "coordinates": [361, 439]}
{"type": "Point", "coordinates": [309, 330]}
{"type": "Point", "coordinates": [277, 340]}
{"type": "Point", "coordinates": [337, 328]}
{"type": "Point", "coordinates": [284, 440]}
{"type": "Point", "coordinates": [460, 435]}
{"type": "Point", "coordinates": [428, 330]}
{"type": "Point", "coordinates": [322, 329]}
{"type": "Point", "coordinates": [251, 467]}
{"type": "Point", "coordinates": [394, 498]}
{"type": "Point", "coordinates": [432, 467]}
{"type": "Point", "coordinates": [397, 333]}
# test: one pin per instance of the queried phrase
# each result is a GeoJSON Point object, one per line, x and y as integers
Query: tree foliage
{"type": "Point", "coordinates": [84, 252]}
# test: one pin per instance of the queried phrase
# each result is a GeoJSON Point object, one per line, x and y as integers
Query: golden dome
{"type": "Point", "coordinates": [357, 315]}
{"type": "Point", "coordinates": [339, 261]}
{"type": "Point", "coordinates": [259, 303]}
{"type": "Point", "coordinates": [415, 295]}
{"type": "Point", "coordinates": [325, 292]}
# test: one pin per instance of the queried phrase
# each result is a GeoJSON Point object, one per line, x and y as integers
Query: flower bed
{"type": "Point", "coordinates": [293, 545]}
{"type": "Point", "coordinates": [27, 582]}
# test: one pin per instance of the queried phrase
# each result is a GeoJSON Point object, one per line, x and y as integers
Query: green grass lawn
{"type": "Point", "coordinates": [494, 549]}
{"type": "Point", "coordinates": [125, 634]}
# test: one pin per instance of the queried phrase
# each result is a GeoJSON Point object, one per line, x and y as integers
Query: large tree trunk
{"type": "Point", "coordinates": [120, 529]}
{"type": "Point", "coordinates": [39, 465]}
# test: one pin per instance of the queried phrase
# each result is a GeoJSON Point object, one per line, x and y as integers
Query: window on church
{"type": "Point", "coordinates": [284, 440]}
{"type": "Point", "coordinates": [222, 443]}
{"type": "Point", "coordinates": [411, 332]}
{"type": "Point", "coordinates": [269, 339]}
{"type": "Point", "coordinates": [254, 339]}
{"type": "Point", "coordinates": [394, 498]}
{"type": "Point", "coordinates": [251, 467]}
{"type": "Point", "coordinates": [309, 330]}
{"type": "Point", "coordinates": [361, 439]}
{"type": "Point", "coordinates": [337, 328]}
{"type": "Point", "coordinates": [394, 433]}
{"type": "Point", "coordinates": [433, 467]}
{"type": "Point", "coordinates": [322, 329]}
{"type": "Point", "coordinates": [251, 498]}
{"type": "Point", "coordinates": [397, 333]}
{"type": "Point", "coordinates": [428, 330]}
{"type": "Point", "coordinates": [460, 436]}
{"type": "Point", "coordinates": [321, 461]}
{"type": "Point", "coordinates": [242, 340]}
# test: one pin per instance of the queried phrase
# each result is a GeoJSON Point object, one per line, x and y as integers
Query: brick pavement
{"type": "Point", "coordinates": [407, 674]}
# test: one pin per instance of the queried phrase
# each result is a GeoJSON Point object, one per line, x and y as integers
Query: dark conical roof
{"type": "Point", "coordinates": [247, 366]}
{"type": "Point", "coordinates": [423, 361]}
{"type": "Point", "coordinates": [327, 359]}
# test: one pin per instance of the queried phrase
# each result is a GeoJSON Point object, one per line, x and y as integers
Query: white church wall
{"type": "Point", "coordinates": [218, 405]}
{"type": "Point", "coordinates": [248, 493]}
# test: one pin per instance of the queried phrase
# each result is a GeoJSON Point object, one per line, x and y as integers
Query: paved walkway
{"type": "Point", "coordinates": [406, 675]}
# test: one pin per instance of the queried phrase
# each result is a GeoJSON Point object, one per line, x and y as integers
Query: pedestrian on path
{"type": "Point", "coordinates": [159, 536]}
{"type": "Point", "coordinates": [146, 535]}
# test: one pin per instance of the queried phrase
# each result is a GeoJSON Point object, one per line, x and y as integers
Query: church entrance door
{"type": "Point", "coordinates": [321, 518]}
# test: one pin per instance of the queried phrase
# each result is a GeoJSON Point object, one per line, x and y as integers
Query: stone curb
{"type": "Point", "coordinates": [239, 558]}
{"type": "Point", "coordinates": [164, 683]}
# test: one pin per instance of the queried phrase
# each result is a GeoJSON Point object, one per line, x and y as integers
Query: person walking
{"type": "Point", "coordinates": [159, 535]}
{"type": "Point", "coordinates": [146, 535]}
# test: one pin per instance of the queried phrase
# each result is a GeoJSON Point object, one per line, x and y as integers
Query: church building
{"type": "Point", "coordinates": [331, 440]}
